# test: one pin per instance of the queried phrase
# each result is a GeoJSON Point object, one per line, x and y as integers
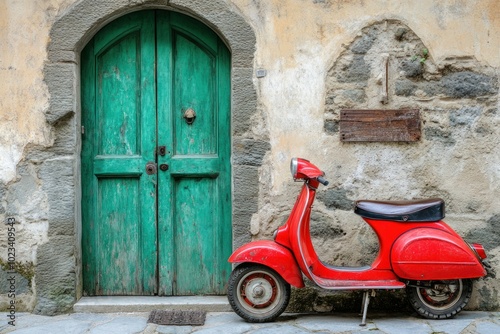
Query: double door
{"type": "Point", "coordinates": [156, 183]}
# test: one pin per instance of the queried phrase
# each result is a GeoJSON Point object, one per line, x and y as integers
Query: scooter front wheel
{"type": "Point", "coordinates": [440, 299]}
{"type": "Point", "coordinates": [257, 293]}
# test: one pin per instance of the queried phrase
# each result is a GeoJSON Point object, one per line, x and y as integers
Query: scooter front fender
{"type": "Point", "coordinates": [272, 255]}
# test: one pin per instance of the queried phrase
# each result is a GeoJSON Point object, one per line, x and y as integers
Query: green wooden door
{"type": "Point", "coordinates": [165, 231]}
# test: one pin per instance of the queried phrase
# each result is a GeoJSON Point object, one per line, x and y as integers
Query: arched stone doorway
{"type": "Point", "coordinates": [58, 280]}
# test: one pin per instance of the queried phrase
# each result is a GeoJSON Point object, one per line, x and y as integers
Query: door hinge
{"type": "Point", "coordinates": [83, 130]}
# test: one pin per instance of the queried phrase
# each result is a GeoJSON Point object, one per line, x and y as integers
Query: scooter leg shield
{"type": "Point", "coordinates": [272, 255]}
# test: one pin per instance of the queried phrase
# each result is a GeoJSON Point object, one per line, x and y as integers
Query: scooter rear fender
{"type": "Point", "coordinates": [432, 254]}
{"type": "Point", "coordinates": [272, 255]}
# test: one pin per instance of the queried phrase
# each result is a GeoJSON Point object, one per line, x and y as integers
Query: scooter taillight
{"type": "Point", "coordinates": [479, 250]}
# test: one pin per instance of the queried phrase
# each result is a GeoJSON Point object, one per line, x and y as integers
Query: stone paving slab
{"type": "Point", "coordinates": [228, 322]}
{"type": "Point", "coordinates": [112, 304]}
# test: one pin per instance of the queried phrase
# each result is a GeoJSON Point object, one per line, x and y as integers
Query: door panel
{"type": "Point", "coordinates": [118, 268]}
{"type": "Point", "coordinates": [194, 217]}
{"type": "Point", "coordinates": [193, 84]}
{"type": "Point", "coordinates": [118, 197]}
{"type": "Point", "coordinates": [195, 223]}
{"type": "Point", "coordinates": [117, 126]}
{"type": "Point", "coordinates": [167, 233]}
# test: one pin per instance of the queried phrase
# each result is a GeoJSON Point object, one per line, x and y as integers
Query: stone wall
{"type": "Point", "coordinates": [319, 56]}
{"type": "Point", "coordinates": [456, 93]}
{"type": "Point", "coordinates": [458, 102]}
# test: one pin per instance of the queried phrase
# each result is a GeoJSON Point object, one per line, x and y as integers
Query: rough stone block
{"type": "Point", "coordinates": [363, 44]}
{"type": "Point", "coordinates": [438, 134]}
{"type": "Point", "coordinates": [241, 38]}
{"type": "Point", "coordinates": [21, 283]}
{"type": "Point", "coordinates": [354, 95]}
{"type": "Point", "coordinates": [245, 204]}
{"type": "Point", "coordinates": [241, 229]}
{"type": "Point", "coordinates": [54, 306]}
{"type": "Point", "coordinates": [336, 199]}
{"type": "Point", "coordinates": [430, 88]}
{"type": "Point", "coordinates": [488, 235]}
{"type": "Point", "coordinates": [331, 126]}
{"type": "Point", "coordinates": [61, 56]}
{"type": "Point", "coordinates": [244, 100]}
{"type": "Point", "coordinates": [322, 228]}
{"type": "Point", "coordinates": [249, 151]}
{"type": "Point", "coordinates": [468, 84]}
{"type": "Point", "coordinates": [65, 137]}
{"type": "Point", "coordinates": [330, 98]}
{"type": "Point", "coordinates": [412, 68]}
{"type": "Point", "coordinates": [58, 180]}
{"type": "Point", "coordinates": [405, 88]}
{"type": "Point", "coordinates": [245, 201]}
{"type": "Point", "coordinates": [60, 78]}
{"type": "Point", "coordinates": [357, 71]}
{"type": "Point", "coordinates": [465, 116]}
{"type": "Point", "coordinates": [55, 275]}
{"type": "Point", "coordinates": [400, 33]}
{"type": "Point", "coordinates": [246, 189]}
{"type": "Point", "coordinates": [24, 197]}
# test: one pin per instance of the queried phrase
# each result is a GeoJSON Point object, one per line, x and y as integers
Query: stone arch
{"type": "Point", "coordinates": [373, 60]}
{"type": "Point", "coordinates": [388, 66]}
{"type": "Point", "coordinates": [58, 283]}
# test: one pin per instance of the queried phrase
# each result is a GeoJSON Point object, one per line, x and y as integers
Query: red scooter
{"type": "Point", "coordinates": [418, 251]}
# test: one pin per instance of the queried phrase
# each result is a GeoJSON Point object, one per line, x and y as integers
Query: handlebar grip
{"type": "Point", "coordinates": [322, 180]}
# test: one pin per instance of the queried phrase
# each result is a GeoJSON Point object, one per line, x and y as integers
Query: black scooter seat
{"type": "Point", "coordinates": [428, 210]}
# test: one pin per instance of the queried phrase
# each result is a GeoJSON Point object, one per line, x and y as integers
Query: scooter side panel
{"type": "Point", "coordinates": [274, 256]}
{"type": "Point", "coordinates": [432, 254]}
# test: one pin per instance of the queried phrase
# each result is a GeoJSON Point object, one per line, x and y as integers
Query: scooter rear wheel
{"type": "Point", "coordinates": [440, 299]}
{"type": "Point", "coordinates": [257, 293]}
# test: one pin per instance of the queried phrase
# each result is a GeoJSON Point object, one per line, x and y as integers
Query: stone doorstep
{"type": "Point", "coordinates": [110, 304]}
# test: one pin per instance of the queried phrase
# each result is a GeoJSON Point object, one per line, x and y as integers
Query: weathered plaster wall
{"type": "Point", "coordinates": [308, 49]}
{"type": "Point", "coordinates": [24, 30]}
{"type": "Point", "coordinates": [301, 44]}
{"type": "Point", "coordinates": [24, 35]}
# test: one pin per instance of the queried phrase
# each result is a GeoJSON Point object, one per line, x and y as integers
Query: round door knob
{"type": "Point", "coordinates": [150, 168]}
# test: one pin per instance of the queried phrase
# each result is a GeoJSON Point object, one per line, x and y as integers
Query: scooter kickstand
{"type": "Point", "coordinates": [364, 306]}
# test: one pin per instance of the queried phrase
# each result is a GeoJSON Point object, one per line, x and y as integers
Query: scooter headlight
{"type": "Point", "coordinates": [293, 167]}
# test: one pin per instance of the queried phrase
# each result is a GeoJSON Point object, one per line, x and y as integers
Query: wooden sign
{"type": "Point", "coordinates": [379, 125]}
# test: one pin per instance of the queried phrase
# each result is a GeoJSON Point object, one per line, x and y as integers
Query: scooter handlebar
{"type": "Point", "coordinates": [322, 180]}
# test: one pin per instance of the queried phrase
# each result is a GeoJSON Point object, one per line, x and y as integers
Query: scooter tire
{"type": "Point", "coordinates": [257, 293]}
{"type": "Point", "coordinates": [440, 299]}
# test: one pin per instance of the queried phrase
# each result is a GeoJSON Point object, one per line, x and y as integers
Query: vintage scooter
{"type": "Point", "coordinates": [418, 251]}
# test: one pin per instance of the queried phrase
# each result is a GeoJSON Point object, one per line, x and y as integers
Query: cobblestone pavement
{"type": "Point", "coordinates": [123, 323]}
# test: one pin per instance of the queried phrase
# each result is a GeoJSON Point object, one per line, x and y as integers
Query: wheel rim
{"type": "Point", "coordinates": [259, 292]}
{"type": "Point", "coordinates": [442, 295]}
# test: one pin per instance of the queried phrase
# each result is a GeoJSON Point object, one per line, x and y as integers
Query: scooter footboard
{"type": "Point", "coordinates": [274, 256]}
{"type": "Point", "coordinates": [432, 254]}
